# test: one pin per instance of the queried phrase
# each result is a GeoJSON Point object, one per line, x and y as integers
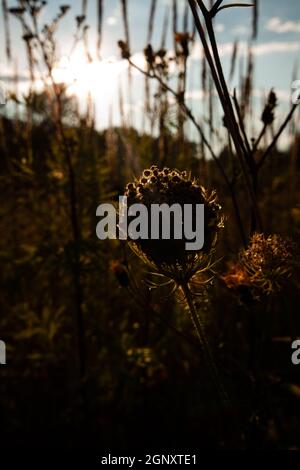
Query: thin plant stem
{"type": "Point", "coordinates": [215, 8]}
{"type": "Point", "coordinates": [258, 140]}
{"type": "Point", "coordinates": [241, 122]}
{"type": "Point", "coordinates": [205, 347]}
{"type": "Point", "coordinates": [214, 61]}
{"type": "Point", "coordinates": [76, 231]}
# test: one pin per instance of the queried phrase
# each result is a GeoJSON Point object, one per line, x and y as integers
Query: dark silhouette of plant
{"type": "Point", "coordinates": [169, 258]}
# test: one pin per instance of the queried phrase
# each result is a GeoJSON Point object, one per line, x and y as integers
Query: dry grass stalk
{"type": "Point", "coordinates": [6, 29]}
{"type": "Point", "coordinates": [100, 21]}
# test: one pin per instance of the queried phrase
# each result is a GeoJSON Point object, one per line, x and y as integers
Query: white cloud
{"type": "Point", "coordinates": [282, 95]}
{"type": "Point", "coordinates": [276, 25]}
{"type": "Point", "coordinates": [272, 47]}
{"type": "Point", "coordinates": [262, 49]}
{"type": "Point", "coordinates": [240, 30]}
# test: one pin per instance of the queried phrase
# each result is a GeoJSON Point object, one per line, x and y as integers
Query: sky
{"type": "Point", "coordinates": [276, 50]}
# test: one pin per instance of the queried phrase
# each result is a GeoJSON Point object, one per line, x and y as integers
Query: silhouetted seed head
{"type": "Point", "coordinates": [149, 54]}
{"type": "Point", "coordinates": [183, 39]}
{"type": "Point", "coordinates": [174, 187]}
{"type": "Point", "coordinates": [64, 9]}
{"type": "Point", "coordinates": [265, 267]}
{"type": "Point", "coordinates": [80, 19]}
{"type": "Point", "coordinates": [125, 53]}
{"type": "Point", "coordinates": [268, 115]}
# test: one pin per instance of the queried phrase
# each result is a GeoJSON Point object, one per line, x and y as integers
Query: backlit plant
{"type": "Point", "coordinates": [169, 259]}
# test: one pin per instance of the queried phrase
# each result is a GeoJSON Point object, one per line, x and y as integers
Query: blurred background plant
{"type": "Point", "coordinates": [92, 351]}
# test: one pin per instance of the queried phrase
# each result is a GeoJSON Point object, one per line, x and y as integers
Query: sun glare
{"type": "Point", "coordinates": [98, 78]}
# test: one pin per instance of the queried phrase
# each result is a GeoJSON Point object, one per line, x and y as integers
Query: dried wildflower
{"type": "Point", "coordinates": [149, 54]}
{"type": "Point", "coordinates": [125, 53]}
{"type": "Point", "coordinates": [161, 53]}
{"type": "Point", "coordinates": [79, 20]}
{"type": "Point", "coordinates": [268, 113]}
{"type": "Point", "coordinates": [170, 257]}
{"type": "Point", "coordinates": [265, 266]}
{"type": "Point", "coordinates": [269, 262]}
{"type": "Point", "coordinates": [64, 9]}
{"type": "Point", "coordinates": [183, 39]}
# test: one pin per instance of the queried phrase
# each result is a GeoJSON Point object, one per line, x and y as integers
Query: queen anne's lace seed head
{"type": "Point", "coordinates": [265, 266]}
{"type": "Point", "coordinates": [157, 186]}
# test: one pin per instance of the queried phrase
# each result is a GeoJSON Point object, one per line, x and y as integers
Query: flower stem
{"type": "Point", "coordinates": [206, 350]}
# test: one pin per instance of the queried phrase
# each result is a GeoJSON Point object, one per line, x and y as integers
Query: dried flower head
{"type": "Point", "coordinates": [183, 39]}
{"type": "Point", "coordinates": [170, 257]}
{"type": "Point", "coordinates": [265, 266]}
{"type": "Point", "coordinates": [268, 112]}
{"type": "Point", "coordinates": [149, 54]}
{"type": "Point", "coordinates": [125, 53]}
{"type": "Point", "coordinates": [64, 9]}
{"type": "Point", "coordinates": [79, 20]}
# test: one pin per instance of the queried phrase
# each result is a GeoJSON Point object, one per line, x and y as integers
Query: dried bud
{"type": "Point", "coordinates": [125, 53]}
{"type": "Point", "coordinates": [183, 39]}
{"type": "Point", "coordinates": [79, 20]}
{"type": "Point", "coordinates": [268, 113]}
{"type": "Point", "coordinates": [64, 9]}
{"type": "Point", "coordinates": [149, 54]}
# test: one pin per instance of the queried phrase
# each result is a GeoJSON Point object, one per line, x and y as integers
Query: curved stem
{"type": "Point", "coordinates": [205, 347]}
